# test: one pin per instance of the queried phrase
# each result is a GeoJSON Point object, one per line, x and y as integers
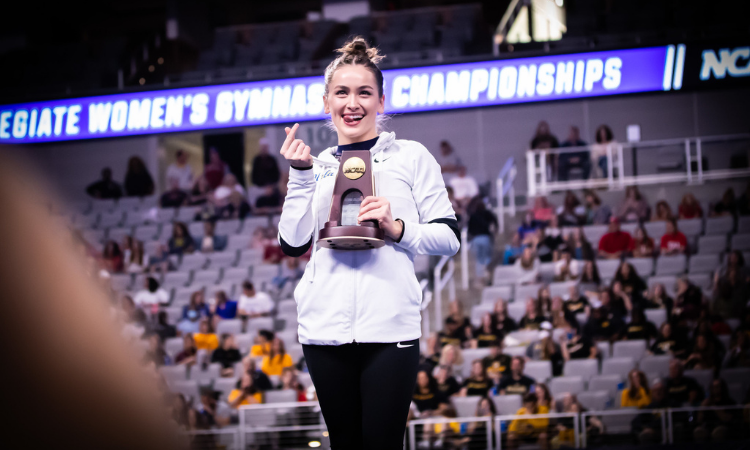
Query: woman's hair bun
{"type": "Point", "coordinates": [358, 50]}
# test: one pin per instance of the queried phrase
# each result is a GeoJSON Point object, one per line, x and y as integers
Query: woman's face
{"type": "Point", "coordinates": [353, 103]}
{"type": "Point", "coordinates": [450, 355]}
{"type": "Point", "coordinates": [422, 379]}
{"type": "Point", "coordinates": [204, 327]}
{"type": "Point", "coordinates": [625, 269]}
{"type": "Point", "coordinates": [700, 342]}
{"type": "Point", "coordinates": [228, 343]}
{"type": "Point", "coordinates": [635, 381]}
{"type": "Point", "coordinates": [187, 342]}
{"type": "Point", "coordinates": [486, 320]}
{"type": "Point", "coordinates": [530, 307]}
{"type": "Point", "coordinates": [639, 233]}
{"type": "Point", "coordinates": [666, 331]}
{"type": "Point", "coordinates": [658, 291]}
{"type": "Point", "coordinates": [247, 380]}
{"type": "Point", "coordinates": [178, 231]}
{"type": "Point", "coordinates": [527, 253]}
{"type": "Point", "coordinates": [477, 370]}
{"type": "Point", "coordinates": [276, 344]}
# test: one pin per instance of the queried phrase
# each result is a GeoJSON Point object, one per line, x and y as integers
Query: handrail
{"type": "Point", "coordinates": [465, 247]}
{"type": "Point", "coordinates": [424, 285]}
{"type": "Point", "coordinates": [506, 187]}
{"type": "Point", "coordinates": [436, 420]}
{"type": "Point", "coordinates": [441, 282]}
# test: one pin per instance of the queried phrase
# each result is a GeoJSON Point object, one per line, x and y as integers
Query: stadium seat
{"type": "Point", "coordinates": [110, 219]}
{"type": "Point", "coordinates": [282, 396]}
{"type": "Point", "coordinates": [619, 366]}
{"type": "Point", "coordinates": [146, 232]}
{"type": "Point", "coordinates": [594, 233]}
{"type": "Point", "coordinates": [221, 260]}
{"type": "Point", "coordinates": [607, 268]}
{"type": "Point", "coordinates": [540, 371]}
{"type": "Point", "coordinates": [491, 294]}
{"type": "Point", "coordinates": [594, 400]}
{"type": "Point", "coordinates": [263, 274]}
{"type": "Point", "coordinates": [134, 219]}
{"type": "Point", "coordinates": [259, 323]}
{"type": "Point", "coordinates": [422, 265]}
{"type": "Point", "coordinates": [249, 258]}
{"type": "Point", "coordinates": [516, 310]}
{"type": "Point", "coordinates": [295, 352]}
{"type": "Point", "coordinates": [712, 244]}
{"type": "Point", "coordinates": [205, 377]}
{"type": "Point", "coordinates": [561, 385]}
{"type": "Point", "coordinates": [668, 281]}
{"type": "Point", "coordinates": [507, 404]}
{"type": "Point", "coordinates": [305, 379]}
{"type": "Point", "coordinates": [118, 234]}
{"type": "Point", "coordinates": [186, 388]}
{"type": "Point", "coordinates": [251, 223]}
{"type": "Point", "coordinates": [129, 203]}
{"type": "Point", "coordinates": [228, 227]}
{"type": "Point", "coordinates": [704, 263]}
{"type": "Point", "coordinates": [121, 281]}
{"type": "Point", "coordinates": [671, 265]}
{"type": "Point", "coordinates": [702, 280]}
{"type": "Point", "coordinates": [187, 214]}
{"type": "Point", "coordinates": [174, 313]}
{"type": "Point", "coordinates": [206, 277]}
{"type": "Point", "coordinates": [175, 279]}
{"type": "Point", "coordinates": [561, 289]}
{"type": "Point", "coordinates": [585, 368]}
{"type": "Point", "coordinates": [193, 261]}
{"type": "Point", "coordinates": [635, 349]}
{"type": "Point", "coordinates": [173, 374]}
{"type": "Point", "coordinates": [656, 364]}
{"type": "Point", "coordinates": [288, 336]}
{"type": "Point", "coordinates": [286, 321]}
{"type": "Point", "coordinates": [504, 275]}
{"type": "Point", "coordinates": [719, 225]}
{"type": "Point", "coordinates": [643, 266]}
{"type": "Point", "coordinates": [182, 295]}
{"type": "Point", "coordinates": [656, 230]}
{"type": "Point", "coordinates": [244, 341]}
{"type": "Point", "coordinates": [690, 227]}
{"type": "Point", "coordinates": [515, 351]}
{"type": "Point", "coordinates": [477, 311]}
{"type": "Point", "coordinates": [212, 290]}
{"type": "Point", "coordinates": [547, 272]}
{"type": "Point", "coordinates": [102, 206]}
{"type": "Point", "coordinates": [741, 242]}
{"type": "Point", "coordinates": [195, 229]}
{"type": "Point", "coordinates": [605, 349]}
{"type": "Point", "coordinates": [702, 376]}
{"type": "Point", "coordinates": [524, 291]}
{"type": "Point", "coordinates": [737, 376]}
{"type": "Point", "coordinates": [656, 316]}
{"type": "Point", "coordinates": [235, 275]}
{"type": "Point", "coordinates": [743, 224]}
{"type": "Point", "coordinates": [287, 306]}
{"type": "Point", "coordinates": [229, 326]}
{"type": "Point", "coordinates": [469, 355]}
{"type": "Point", "coordinates": [610, 383]}
{"type": "Point", "coordinates": [466, 406]}
{"type": "Point", "coordinates": [225, 386]}
{"type": "Point", "coordinates": [165, 215]}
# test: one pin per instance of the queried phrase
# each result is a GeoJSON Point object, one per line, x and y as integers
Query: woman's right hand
{"type": "Point", "coordinates": [294, 150]}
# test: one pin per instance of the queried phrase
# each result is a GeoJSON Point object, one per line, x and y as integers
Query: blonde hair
{"type": "Point", "coordinates": [444, 355]}
{"type": "Point", "coordinates": [356, 51]}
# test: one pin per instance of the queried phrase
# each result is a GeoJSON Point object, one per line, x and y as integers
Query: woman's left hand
{"type": "Point", "coordinates": [379, 208]}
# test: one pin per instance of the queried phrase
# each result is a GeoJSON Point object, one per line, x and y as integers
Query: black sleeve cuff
{"type": "Point", "coordinates": [452, 223]}
{"type": "Point", "coordinates": [403, 228]}
{"type": "Point", "coordinates": [301, 168]}
{"type": "Point", "coordinates": [294, 252]}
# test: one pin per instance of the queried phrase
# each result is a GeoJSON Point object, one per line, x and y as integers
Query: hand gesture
{"type": "Point", "coordinates": [379, 208]}
{"type": "Point", "coordinates": [294, 150]}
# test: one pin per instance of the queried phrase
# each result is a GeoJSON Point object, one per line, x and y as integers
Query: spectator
{"type": "Point", "coordinates": [181, 242]}
{"type": "Point", "coordinates": [197, 304]}
{"type": "Point", "coordinates": [571, 214]}
{"type": "Point", "coordinates": [616, 243]}
{"type": "Point", "coordinates": [174, 197]}
{"type": "Point", "coordinates": [482, 228]}
{"type": "Point", "coordinates": [448, 160]}
{"type": "Point", "coordinates": [718, 423]}
{"type": "Point", "coordinates": [513, 250]}
{"type": "Point", "coordinates": [486, 334]}
{"type": "Point", "coordinates": [210, 242]}
{"type": "Point", "coordinates": [533, 318]}
{"type": "Point", "coordinates": [576, 346]}
{"type": "Point", "coordinates": [689, 208]}
{"type": "Point", "coordinates": [223, 307]}
{"type": "Point", "coordinates": [155, 352]}
{"type": "Point", "coordinates": [546, 349]}
{"type": "Point", "coordinates": [637, 394]}
{"type": "Point", "coordinates": [464, 187]}
{"type": "Point", "coordinates": [602, 326]}
{"type": "Point", "coordinates": [476, 431]}
{"type": "Point", "coordinates": [549, 242]}
{"type": "Point", "coordinates": [516, 382]}
{"type": "Point", "coordinates": [265, 169]}
{"type": "Point", "coordinates": [245, 392]}
{"type": "Point", "coordinates": [662, 212]}
{"type": "Point", "coordinates": [616, 301]}
{"type": "Point", "coordinates": [446, 384]}
{"type": "Point", "coordinates": [226, 355]}
{"type": "Point", "coordinates": [105, 188]}
{"type": "Point", "coordinates": [634, 208]}
{"type": "Point", "coordinates": [578, 159]}
{"type": "Point", "coordinates": [426, 396]}
{"type": "Point", "coordinates": [180, 173]}
{"type": "Point", "coordinates": [452, 333]}
{"type": "Point", "coordinates": [680, 389]}
{"type": "Point", "coordinates": [594, 428]}
{"type": "Point", "coordinates": [455, 310]}
{"type": "Point", "coordinates": [529, 429]}
{"type": "Point", "coordinates": [200, 192]}
{"type": "Point", "coordinates": [138, 182]}
{"type": "Point", "coordinates": [138, 261]}
{"type": "Point", "coordinates": [669, 343]}
{"type": "Point", "coordinates": [739, 351]}
{"type": "Point", "coordinates": [291, 272]}
{"type": "Point", "coordinates": [528, 226]}
{"type": "Point", "coordinates": [163, 328]}
{"type": "Point", "coordinates": [457, 208]}
{"type": "Point", "coordinates": [451, 356]}
{"type": "Point", "coordinates": [704, 354]}
{"type": "Point", "coordinates": [269, 201]}
{"type": "Point", "coordinates": [688, 301]}
{"type": "Point", "coordinates": [657, 298]}
{"type": "Point", "coordinates": [497, 363]}
{"type": "Point", "coordinates": [674, 241]}
{"type": "Point", "coordinates": [543, 396]}
{"type": "Point", "coordinates": [567, 268]}
{"type": "Point", "coordinates": [277, 358]}
{"type": "Point", "coordinates": [504, 324]}
{"type": "Point", "coordinates": [260, 379]}
{"type": "Point", "coordinates": [543, 139]}
{"type": "Point", "coordinates": [579, 246]}
{"type": "Point", "coordinates": [112, 259]}
{"type": "Point", "coordinates": [253, 304]}
{"type": "Point", "coordinates": [229, 199]}
{"type": "Point", "coordinates": [576, 302]}
{"type": "Point", "coordinates": [528, 267]}
{"type": "Point", "coordinates": [639, 327]}
{"type": "Point", "coordinates": [188, 355]}
{"type": "Point", "coordinates": [215, 170]}
{"type": "Point", "coordinates": [604, 141]}
{"type": "Point", "coordinates": [647, 426]}
{"type": "Point", "coordinates": [206, 339]}
{"type": "Point", "coordinates": [596, 212]}
{"type": "Point", "coordinates": [290, 381]}
{"type": "Point", "coordinates": [543, 211]}
{"type": "Point", "coordinates": [477, 383]}
{"type": "Point", "coordinates": [631, 282]}
{"type": "Point", "coordinates": [643, 245]}
{"type": "Point", "coordinates": [205, 416]}
{"type": "Point", "coordinates": [180, 411]}
{"type": "Point", "coordinates": [590, 274]}
{"type": "Point", "coordinates": [262, 346]}
{"type": "Point", "coordinates": [190, 323]}
{"type": "Point", "coordinates": [727, 206]}
{"type": "Point", "coordinates": [544, 298]}
{"type": "Point", "coordinates": [152, 294]}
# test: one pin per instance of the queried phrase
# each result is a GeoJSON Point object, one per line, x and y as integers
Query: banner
{"type": "Point", "coordinates": [431, 88]}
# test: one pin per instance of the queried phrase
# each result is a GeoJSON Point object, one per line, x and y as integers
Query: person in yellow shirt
{"type": "Point", "coordinates": [206, 339]}
{"type": "Point", "coordinates": [245, 393]}
{"type": "Point", "coordinates": [637, 395]}
{"type": "Point", "coordinates": [262, 346]}
{"type": "Point", "coordinates": [529, 429]}
{"type": "Point", "coordinates": [277, 359]}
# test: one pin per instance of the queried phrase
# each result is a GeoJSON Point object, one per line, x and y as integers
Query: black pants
{"type": "Point", "coordinates": [364, 391]}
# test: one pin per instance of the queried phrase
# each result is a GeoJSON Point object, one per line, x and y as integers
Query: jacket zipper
{"type": "Point", "coordinates": [354, 297]}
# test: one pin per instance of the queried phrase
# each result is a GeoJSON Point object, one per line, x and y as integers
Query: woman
{"type": "Point", "coordinates": [452, 357]}
{"type": "Point", "coordinates": [689, 208]}
{"type": "Point", "coordinates": [533, 317]}
{"type": "Point", "coordinates": [639, 327]}
{"type": "Point", "coordinates": [529, 429]}
{"type": "Point", "coordinates": [567, 268]}
{"type": "Point", "coordinates": [637, 394]}
{"type": "Point", "coordinates": [290, 381]}
{"type": "Point", "coordinates": [206, 339]}
{"type": "Point", "coordinates": [720, 423]}
{"type": "Point", "coordinates": [476, 431]}
{"type": "Point", "coordinates": [688, 299]}
{"type": "Point", "coordinates": [738, 354]}
{"type": "Point", "coordinates": [245, 392]}
{"type": "Point", "coordinates": [504, 324]}
{"type": "Point", "coordinates": [643, 245]}
{"type": "Point", "coordinates": [704, 354]}
{"type": "Point", "coordinates": [576, 346]}
{"type": "Point", "coordinates": [727, 206]}
{"type": "Point", "coordinates": [578, 245]}
{"type": "Point", "coordinates": [181, 242]}
{"type": "Point", "coordinates": [604, 140]}
{"type": "Point", "coordinates": [112, 260]}
{"type": "Point", "coordinates": [482, 228]}
{"type": "Point", "coordinates": [152, 295]}
{"type": "Point", "coordinates": [215, 169]}
{"type": "Point", "coordinates": [226, 355]}
{"type": "Point", "coordinates": [668, 343]}
{"type": "Point", "coordinates": [632, 284]}
{"type": "Point", "coordinates": [657, 298]}
{"type": "Point", "coordinates": [528, 266]}
{"type": "Point", "coordinates": [568, 215]}
{"type": "Point", "coordinates": [547, 350]}
{"type": "Point", "coordinates": [456, 312]}
{"type": "Point", "coordinates": [189, 351]}
{"type": "Point", "coordinates": [156, 352]}
{"type": "Point", "coordinates": [542, 211]}
{"type": "Point", "coordinates": [138, 261]}
{"type": "Point", "coordinates": [486, 334]}
{"type": "Point", "coordinates": [478, 383]}
{"type": "Point", "coordinates": [543, 396]}
{"type": "Point", "coordinates": [662, 212]}
{"type": "Point", "coordinates": [544, 298]}
{"type": "Point", "coordinates": [513, 250]}
{"type": "Point", "coordinates": [200, 193]}
{"type": "Point", "coordinates": [590, 273]}
{"type": "Point", "coordinates": [596, 212]}
{"type": "Point", "coordinates": [197, 304]}
{"type": "Point", "coordinates": [446, 383]}
{"type": "Point", "coordinates": [277, 359]}
{"type": "Point", "coordinates": [634, 208]}
{"type": "Point", "coordinates": [425, 395]}
{"type": "Point", "coordinates": [138, 182]}
{"type": "Point", "coordinates": [223, 307]}
{"type": "Point", "coordinates": [377, 296]}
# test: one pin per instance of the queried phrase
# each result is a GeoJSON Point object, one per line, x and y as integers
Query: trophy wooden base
{"type": "Point", "coordinates": [351, 237]}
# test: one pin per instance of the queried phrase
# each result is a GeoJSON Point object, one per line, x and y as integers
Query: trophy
{"type": "Point", "coordinates": [353, 183]}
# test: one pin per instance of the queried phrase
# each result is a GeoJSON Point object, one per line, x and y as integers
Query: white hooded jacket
{"type": "Point", "coordinates": [367, 295]}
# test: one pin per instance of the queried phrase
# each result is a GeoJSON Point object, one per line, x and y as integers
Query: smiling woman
{"type": "Point", "coordinates": [359, 310]}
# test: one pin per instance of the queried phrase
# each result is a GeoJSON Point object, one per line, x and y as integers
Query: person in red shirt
{"type": "Point", "coordinates": [689, 207]}
{"type": "Point", "coordinates": [674, 241]}
{"type": "Point", "coordinates": [615, 243]}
